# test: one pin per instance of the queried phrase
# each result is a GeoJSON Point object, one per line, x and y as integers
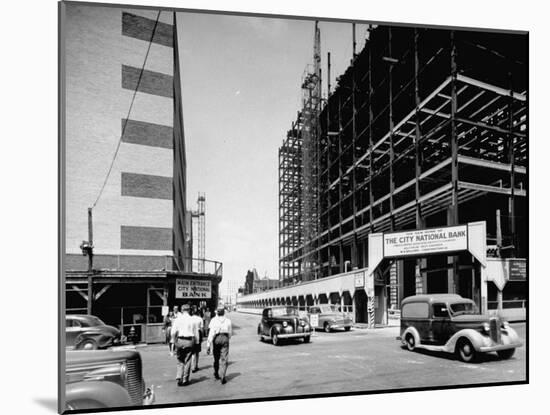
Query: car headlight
{"type": "Point", "coordinates": [486, 327]}
{"type": "Point", "coordinates": [302, 323]}
{"type": "Point", "coordinates": [505, 325]}
{"type": "Point", "coordinates": [285, 324]}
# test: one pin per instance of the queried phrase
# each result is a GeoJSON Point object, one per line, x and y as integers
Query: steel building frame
{"type": "Point", "coordinates": [423, 121]}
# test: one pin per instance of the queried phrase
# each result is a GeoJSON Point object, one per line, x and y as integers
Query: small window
{"type": "Point", "coordinates": [73, 323]}
{"type": "Point", "coordinates": [415, 310]}
{"type": "Point", "coordinates": [266, 312]}
{"type": "Point", "coordinates": [441, 310]}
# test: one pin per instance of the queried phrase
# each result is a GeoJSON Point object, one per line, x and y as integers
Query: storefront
{"type": "Point", "coordinates": [136, 302]}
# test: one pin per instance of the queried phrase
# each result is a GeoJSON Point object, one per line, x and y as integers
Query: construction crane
{"type": "Point", "coordinates": [199, 217]}
{"type": "Point", "coordinates": [311, 101]}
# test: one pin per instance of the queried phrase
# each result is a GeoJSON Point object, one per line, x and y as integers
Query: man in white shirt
{"type": "Point", "coordinates": [197, 346]}
{"type": "Point", "coordinates": [220, 331]}
{"type": "Point", "coordinates": [186, 334]}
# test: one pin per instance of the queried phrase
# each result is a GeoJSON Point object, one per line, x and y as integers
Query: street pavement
{"type": "Point", "coordinates": [361, 360]}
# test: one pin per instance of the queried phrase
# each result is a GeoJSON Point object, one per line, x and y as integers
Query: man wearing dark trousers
{"type": "Point", "coordinates": [218, 339]}
{"type": "Point", "coordinates": [186, 335]}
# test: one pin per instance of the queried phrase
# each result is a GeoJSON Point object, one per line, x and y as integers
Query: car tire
{"type": "Point", "coordinates": [348, 328]}
{"type": "Point", "coordinates": [275, 339]}
{"type": "Point", "coordinates": [82, 404]}
{"type": "Point", "coordinates": [307, 339]}
{"type": "Point", "coordinates": [410, 342]}
{"type": "Point", "coordinates": [88, 344]}
{"type": "Point", "coordinates": [326, 327]}
{"type": "Point", "coordinates": [466, 351]}
{"type": "Point", "coordinates": [506, 354]}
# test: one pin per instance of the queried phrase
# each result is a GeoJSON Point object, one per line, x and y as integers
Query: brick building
{"type": "Point", "coordinates": [124, 157]}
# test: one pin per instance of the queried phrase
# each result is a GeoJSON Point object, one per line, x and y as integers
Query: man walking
{"type": "Point", "coordinates": [197, 319]}
{"type": "Point", "coordinates": [218, 339]}
{"type": "Point", "coordinates": [186, 334]}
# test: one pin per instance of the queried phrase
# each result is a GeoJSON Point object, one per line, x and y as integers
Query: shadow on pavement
{"type": "Point", "coordinates": [192, 381]}
{"type": "Point", "coordinates": [481, 357]}
{"type": "Point", "coordinates": [48, 403]}
{"type": "Point", "coordinates": [229, 377]}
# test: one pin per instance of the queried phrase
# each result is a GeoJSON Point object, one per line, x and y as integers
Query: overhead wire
{"type": "Point", "coordinates": [129, 111]}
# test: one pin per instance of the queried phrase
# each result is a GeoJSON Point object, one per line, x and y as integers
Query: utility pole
{"type": "Point", "coordinates": [87, 248]}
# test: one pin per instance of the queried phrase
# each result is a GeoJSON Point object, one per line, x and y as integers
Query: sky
{"type": "Point", "coordinates": [241, 79]}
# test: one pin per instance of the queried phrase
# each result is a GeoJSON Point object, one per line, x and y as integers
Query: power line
{"type": "Point", "coordinates": [129, 111]}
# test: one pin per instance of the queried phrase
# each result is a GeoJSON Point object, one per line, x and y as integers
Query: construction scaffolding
{"type": "Point", "coordinates": [423, 126]}
{"type": "Point", "coordinates": [299, 179]}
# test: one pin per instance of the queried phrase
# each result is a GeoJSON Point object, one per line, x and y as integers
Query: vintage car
{"type": "Point", "coordinates": [328, 317]}
{"type": "Point", "coordinates": [283, 322]}
{"type": "Point", "coordinates": [104, 379]}
{"type": "Point", "coordinates": [450, 323]}
{"type": "Point", "coordinates": [87, 332]}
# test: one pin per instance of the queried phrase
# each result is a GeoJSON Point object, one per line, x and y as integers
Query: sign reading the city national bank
{"type": "Point", "coordinates": [426, 241]}
{"type": "Point", "coordinates": [193, 288]}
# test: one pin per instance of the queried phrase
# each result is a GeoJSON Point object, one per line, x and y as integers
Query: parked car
{"type": "Point", "coordinates": [450, 323]}
{"type": "Point", "coordinates": [328, 317]}
{"type": "Point", "coordinates": [105, 379]}
{"type": "Point", "coordinates": [88, 332]}
{"type": "Point", "coordinates": [283, 322]}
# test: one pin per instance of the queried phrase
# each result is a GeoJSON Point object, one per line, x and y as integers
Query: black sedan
{"type": "Point", "coordinates": [283, 322]}
{"type": "Point", "coordinates": [85, 332]}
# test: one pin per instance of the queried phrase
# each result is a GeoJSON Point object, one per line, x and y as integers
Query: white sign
{"type": "Point", "coordinates": [165, 310]}
{"type": "Point", "coordinates": [314, 320]}
{"type": "Point", "coordinates": [426, 241]}
{"type": "Point", "coordinates": [359, 279]}
{"type": "Point", "coordinates": [193, 288]}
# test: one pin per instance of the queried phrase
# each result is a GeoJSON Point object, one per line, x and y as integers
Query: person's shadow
{"type": "Point", "coordinates": [230, 376]}
{"type": "Point", "coordinates": [48, 403]}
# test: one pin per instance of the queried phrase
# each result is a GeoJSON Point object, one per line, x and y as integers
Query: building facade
{"type": "Point", "coordinates": [427, 128]}
{"type": "Point", "coordinates": [125, 168]}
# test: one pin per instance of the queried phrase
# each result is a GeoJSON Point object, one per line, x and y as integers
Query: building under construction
{"type": "Point", "coordinates": [426, 128]}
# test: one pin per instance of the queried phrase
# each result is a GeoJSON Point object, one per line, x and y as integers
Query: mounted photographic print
{"type": "Point", "coordinates": [262, 207]}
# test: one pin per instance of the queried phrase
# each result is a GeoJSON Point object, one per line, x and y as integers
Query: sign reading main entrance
{"type": "Point", "coordinates": [425, 241]}
{"type": "Point", "coordinates": [193, 288]}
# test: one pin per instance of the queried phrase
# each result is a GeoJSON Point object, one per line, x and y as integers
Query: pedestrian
{"type": "Point", "coordinates": [197, 346]}
{"type": "Point", "coordinates": [168, 339]}
{"type": "Point", "coordinates": [218, 340]}
{"type": "Point", "coordinates": [207, 316]}
{"type": "Point", "coordinates": [186, 335]}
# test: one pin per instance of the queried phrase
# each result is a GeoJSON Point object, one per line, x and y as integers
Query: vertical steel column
{"type": "Point", "coordinates": [371, 143]}
{"type": "Point", "coordinates": [340, 176]}
{"type": "Point", "coordinates": [512, 161]}
{"type": "Point", "coordinates": [329, 162]}
{"type": "Point", "coordinates": [453, 217]}
{"type": "Point", "coordinates": [390, 116]}
{"type": "Point", "coordinates": [454, 138]}
{"type": "Point", "coordinates": [419, 281]}
{"type": "Point", "coordinates": [354, 259]}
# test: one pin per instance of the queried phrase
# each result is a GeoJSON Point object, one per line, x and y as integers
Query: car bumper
{"type": "Point", "coordinates": [497, 347]}
{"type": "Point", "coordinates": [340, 325]}
{"type": "Point", "coordinates": [293, 335]}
